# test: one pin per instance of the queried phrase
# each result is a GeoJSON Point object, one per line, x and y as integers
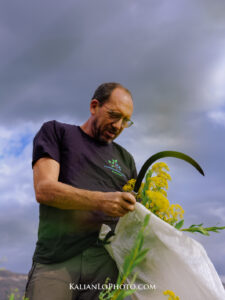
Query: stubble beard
{"type": "Point", "coordinates": [97, 133]}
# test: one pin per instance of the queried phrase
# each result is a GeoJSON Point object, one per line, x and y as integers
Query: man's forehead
{"type": "Point", "coordinates": [120, 100]}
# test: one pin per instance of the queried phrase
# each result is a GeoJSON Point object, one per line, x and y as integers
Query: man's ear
{"type": "Point", "coordinates": [94, 106]}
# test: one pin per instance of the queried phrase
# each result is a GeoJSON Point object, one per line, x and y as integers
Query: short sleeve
{"type": "Point", "coordinates": [46, 143]}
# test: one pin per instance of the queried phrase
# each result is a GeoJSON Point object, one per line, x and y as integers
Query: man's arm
{"type": "Point", "coordinates": [50, 191]}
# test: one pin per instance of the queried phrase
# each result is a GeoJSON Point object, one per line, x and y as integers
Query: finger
{"type": "Point", "coordinates": [122, 212]}
{"type": "Point", "coordinates": [127, 206]}
{"type": "Point", "coordinates": [129, 197]}
{"type": "Point", "coordinates": [118, 211]}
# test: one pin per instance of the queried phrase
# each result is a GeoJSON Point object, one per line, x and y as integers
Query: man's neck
{"type": "Point", "coordinates": [86, 127]}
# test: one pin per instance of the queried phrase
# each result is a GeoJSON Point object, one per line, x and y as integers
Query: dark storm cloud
{"type": "Point", "coordinates": [163, 51]}
{"type": "Point", "coordinates": [154, 47]}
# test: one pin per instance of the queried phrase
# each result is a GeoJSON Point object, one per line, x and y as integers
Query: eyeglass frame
{"type": "Point", "coordinates": [128, 121]}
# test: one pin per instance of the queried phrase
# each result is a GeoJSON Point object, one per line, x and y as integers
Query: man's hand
{"type": "Point", "coordinates": [117, 204]}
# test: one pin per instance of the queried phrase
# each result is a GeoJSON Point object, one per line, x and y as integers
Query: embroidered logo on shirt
{"type": "Point", "coordinates": [115, 167]}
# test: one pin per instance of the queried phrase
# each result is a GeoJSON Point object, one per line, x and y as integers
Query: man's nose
{"type": "Point", "coordinates": [118, 124]}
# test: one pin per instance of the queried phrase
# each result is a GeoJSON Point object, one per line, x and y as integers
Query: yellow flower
{"type": "Point", "coordinates": [158, 167]}
{"type": "Point", "coordinates": [153, 194]}
{"type": "Point", "coordinates": [164, 175]}
{"type": "Point", "coordinates": [168, 292]}
{"type": "Point", "coordinates": [129, 186]}
{"type": "Point", "coordinates": [163, 192]}
{"type": "Point", "coordinates": [171, 295]}
{"type": "Point", "coordinates": [174, 212]}
{"type": "Point", "coordinates": [160, 202]}
{"type": "Point", "coordinates": [156, 182]}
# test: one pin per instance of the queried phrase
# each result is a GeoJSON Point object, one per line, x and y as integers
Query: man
{"type": "Point", "coordinates": [79, 173]}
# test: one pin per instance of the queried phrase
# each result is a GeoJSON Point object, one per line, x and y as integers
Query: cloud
{"type": "Point", "coordinates": [15, 164]}
{"type": "Point", "coordinates": [167, 64]}
{"type": "Point", "coordinates": [217, 117]}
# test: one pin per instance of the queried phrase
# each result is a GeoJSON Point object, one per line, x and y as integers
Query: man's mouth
{"type": "Point", "coordinates": [110, 133]}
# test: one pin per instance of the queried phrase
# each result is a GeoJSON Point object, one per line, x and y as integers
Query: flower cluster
{"type": "Point", "coordinates": [129, 186]}
{"type": "Point", "coordinates": [153, 194]}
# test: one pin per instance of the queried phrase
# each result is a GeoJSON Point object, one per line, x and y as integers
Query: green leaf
{"type": "Point", "coordinates": [140, 243]}
{"type": "Point", "coordinates": [200, 229]}
{"type": "Point", "coordinates": [134, 278]}
{"type": "Point", "coordinates": [124, 293]}
{"type": "Point", "coordinates": [128, 292]}
{"type": "Point", "coordinates": [126, 264]}
{"type": "Point", "coordinates": [179, 224]}
{"type": "Point", "coordinates": [143, 252]}
{"type": "Point", "coordinates": [146, 220]}
{"type": "Point", "coordinates": [11, 297]}
{"type": "Point", "coordinates": [120, 276]}
{"type": "Point", "coordinates": [196, 225]}
{"type": "Point", "coordinates": [135, 256]}
{"type": "Point", "coordinates": [140, 257]}
{"type": "Point", "coordinates": [194, 228]}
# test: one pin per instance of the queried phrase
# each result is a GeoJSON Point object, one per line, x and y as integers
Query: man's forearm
{"type": "Point", "coordinates": [64, 196]}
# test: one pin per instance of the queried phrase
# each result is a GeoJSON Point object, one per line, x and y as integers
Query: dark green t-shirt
{"type": "Point", "coordinates": [84, 163]}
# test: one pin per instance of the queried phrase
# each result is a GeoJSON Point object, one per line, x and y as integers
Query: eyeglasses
{"type": "Point", "coordinates": [116, 116]}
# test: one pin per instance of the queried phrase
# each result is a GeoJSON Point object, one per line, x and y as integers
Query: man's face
{"type": "Point", "coordinates": [110, 118]}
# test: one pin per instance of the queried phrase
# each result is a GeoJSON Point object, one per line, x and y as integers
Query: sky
{"type": "Point", "coordinates": [170, 54]}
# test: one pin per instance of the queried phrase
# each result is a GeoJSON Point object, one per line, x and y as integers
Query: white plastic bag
{"type": "Point", "coordinates": [174, 262]}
